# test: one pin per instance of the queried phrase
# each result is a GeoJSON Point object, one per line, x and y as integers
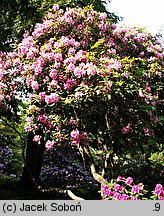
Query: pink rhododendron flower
{"type": "Point", "coordinates": [28, 119]}
{"type": "Point", "coordinates": [120, 178]}
{"type": "Point", "coordinates": [126, 129]}
{"type": "Point", "coordinates": [116, 187]}
{"type": "Point", "coordinates": [34, 85]}
{"type": "Point", "coordinates": [78, 94]}
{"type": "Point", "coordinates": [103, 16]}
{"type": "Point", "coordinates": [42, 118]}
{"type": "Point", "coordinates": [129, 181]}
{"type": "Point", "coordinates": [116, 196]}
{"type": "Point", "coordinates": [36, 138]}
{"type": "Point", "coordinates": [134, 198]}
{"type": "Point", "coordinates": [125, 197]}
{"type": "Point", "coordinates": [136, 189]}
{"type": "Point", "coordinates": [53, 98]}
{"type": "Point", "coordinates": [49, 144]}
{"type": "Point", "coordinates": [75, 137]}
{"type": "Point", "coordinates": [27, 127]}
{"type": "Point", "coordinates": [159, 190]}
{"type": "Point", "coordinates": [42, 95]}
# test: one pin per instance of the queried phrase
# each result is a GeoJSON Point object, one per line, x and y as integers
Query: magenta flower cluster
{"type": "Point", "coordinates": [126, 190]}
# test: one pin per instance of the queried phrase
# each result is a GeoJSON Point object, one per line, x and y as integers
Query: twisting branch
{"type": "Point", "coordinates": [11, 126]}
{"type": "Point", "coordinates": [90, 161]}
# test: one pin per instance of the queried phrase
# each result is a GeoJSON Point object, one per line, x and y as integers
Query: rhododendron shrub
{"type": "Point", "coordinates": [124, 189]}
{"type": "Point", "coordinates": [88, 83]}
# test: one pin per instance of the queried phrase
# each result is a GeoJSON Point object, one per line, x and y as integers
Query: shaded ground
{"type": "Point", "coordinates": [14, 192]}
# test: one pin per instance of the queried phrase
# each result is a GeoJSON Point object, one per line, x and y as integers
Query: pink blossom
{"type": "Point", "coordinates": [78, 94]}
{"type": "Point", "coordinates": [55, 7]}
{"type": "Point", "coordinates": [116, 187]}
{"type": "Point", "coordinates": [49, 144]}
{"type": "Point", "coordinates": [129, 181]}
{"type": "Point", "coordinates": [34, 85]}
{"type": "Point", "coordinates": [30, 55]}
{"type": "Point", "coordinates": [136, 189]}
{"type": "Point", "coordinates": [159, 190]}
{"type": "Point", "coordinates": [75, 137]}
{"type": "Point", "coordinates": [161, 198]}
{"type": "Point", "coordinates": [36, 138]}
{"type": "Point", "coordinates": [29, 119]}
{"type": "Point", "coordinates": [103, 16]}
{"type": "Point", "coordinates": [107, 192]}
{"type": "Point", "coordinates": [71, 51]}
{"type": "Point", "coordinates": [116, 196]}
{"type": "Point", "coordinates": [58, 57]}
{"type": "Point", "coordinates": [42, 95]}
{"type": "Point", "coordinates": [147, 131]}
{"type": "Point", "coordinates": [27, 127]}
{"type": "Point", "coordinates": [53, 98]}
{"type": "Point", "coordinates": [42, 118]}
{"type": "Point", "coordinates": [120, 178]}
{"type": "Point", "coordinates": [79, 72]}
{"type": "Point", "coordinates": [53, 74]}
{"type": "Point", "coordinates": [124, 197]}
{"type": "Point", "coordinates": [126, 129]}
{"type": "Point", "coordinates": [134, 198]}
{"type": "Point", "coordinates": [71, 67]}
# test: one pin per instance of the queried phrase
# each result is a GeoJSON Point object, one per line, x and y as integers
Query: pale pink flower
{"type": "Point", "coordinates": [53, 74]}
{"type": "Point", "coordinates": [78, 94]}
{"type": "Point", "coordinates": [27, 127]}
{"type": "Point", "coordinates": [75, 137]}
{"type": "Point", "coordinates": [42, 95]}
{"type": "Point", "coordinates": [36, 138]}
{"type": "Point", "coordinates": [49, 144]}
{"type": "Point", "coordinates": [29, 119]}
{"type": "Point", "coordinates": [103, 16]}
{"type": "Point", "coordinates": [55, 7]}
{"type": "Point", "coordinates": [30, 55]}
{"type": "Point", "coordinates": [34, 85]}
{"type": "Point", "coordinates": [53, 98]}
{"type": "Point", "coordinates": [71, 67]}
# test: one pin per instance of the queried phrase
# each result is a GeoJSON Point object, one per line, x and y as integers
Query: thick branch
{"type": "Point", "coordinates": [90, 161]}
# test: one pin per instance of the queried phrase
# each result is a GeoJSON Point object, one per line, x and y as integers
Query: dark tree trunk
{"type": "Point", "coordinates": [34, 158]}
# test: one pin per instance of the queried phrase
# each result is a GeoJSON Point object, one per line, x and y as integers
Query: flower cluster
{"type": "Point", "coordinates": [124, 189]}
